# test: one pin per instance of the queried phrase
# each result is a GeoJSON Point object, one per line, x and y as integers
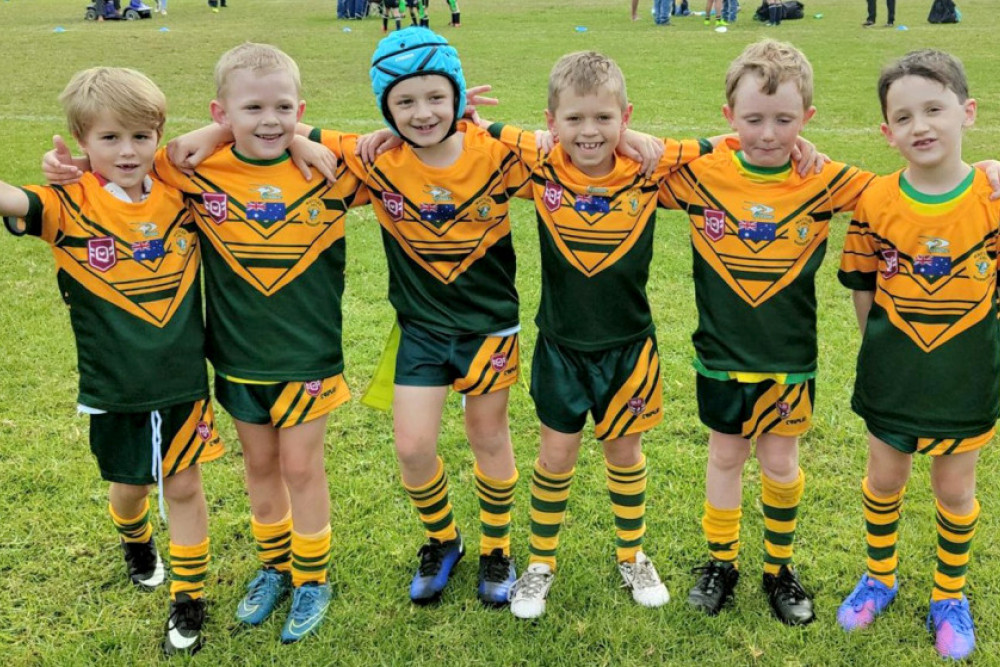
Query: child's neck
{"type": "Point", "coordinates": [443, 154]}
{"type": "Point", "coordinates": [939, 179]}
{"type": "Point", "coordinates": [135, 193]}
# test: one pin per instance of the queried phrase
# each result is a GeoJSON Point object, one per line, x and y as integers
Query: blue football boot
{"type": "Point", "coordinates": [264, 593]}
{"type": "Point", "coordinates": [496, 576]}
{"type": "Point", "coordinates": [437, 560]}
{"type": "Point", "coordinates": [309, 605]}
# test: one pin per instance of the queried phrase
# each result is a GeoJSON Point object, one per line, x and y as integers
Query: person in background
{"type": "Point", "coordinates": [890, 6]}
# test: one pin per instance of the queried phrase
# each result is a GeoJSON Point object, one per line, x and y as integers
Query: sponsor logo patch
{"type": "Point", "coordinates": [216, 205]}
{"type": "Point", "coordinates": [101, 253]}
{"type": "Point", "coordinates": [313, 387]}
{"type": "Point", "coordinates": [498, 361]}
{"type": "Point", "coordinates": [204, 430]}
{"type": "Point", "coordinates": [637, 405]}
{"type": "Point", "coordinates": [393, 202]}
{"type": "Point", "coordinates": [784, 409]}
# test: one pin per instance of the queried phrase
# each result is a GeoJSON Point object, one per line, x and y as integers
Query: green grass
{"type": "Point", "coordinates": [63, 599]}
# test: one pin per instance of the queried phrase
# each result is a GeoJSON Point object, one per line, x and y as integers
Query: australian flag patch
{"type": "Point", "coordinates": [437, 213]}
{"type": "Point", "coordinates": [260, 211]}
{"type": "Point", "coordinates": [932, 266]}
{"type": "Point", "coordinates": [591, 204]}
{"type": "Point", "coordinates": [144, 251]}
{"type": "Point", "coordinates": [751, 230]}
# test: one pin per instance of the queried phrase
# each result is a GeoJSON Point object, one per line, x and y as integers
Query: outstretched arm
{"type": "Point", "coordinates": [13, 201]}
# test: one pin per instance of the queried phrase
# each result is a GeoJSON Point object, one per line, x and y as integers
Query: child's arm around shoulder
{"type": "Point", "coordinates": [863, 301]}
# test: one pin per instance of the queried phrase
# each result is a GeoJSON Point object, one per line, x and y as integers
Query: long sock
{"type": "Point", "coordinates": [433, 506]}
{"type": "Point", "coordinates": [627, 487]}
{"type": "Point", "coordinates": [385, 25]}
{"type": "Point", "coordinates": [456, 18]}
{"type": "Point", "coordinates": [188, 569]}
{"type": "Point", "coordinates": [137, 529]}
{"type": "Point", "coordinates": [399, 24]}
{"type": "Point", "coordinates": [496, 498]}
{"type": "Point", "coordinates": [781, 507]}
{"type": "Point", "coordinates": [882, 528]}
{"type": "Point", "coordinates": [274, 543]}
{"type": "Point", "coordinates": [310, 557]}
{"type": "Point", "coordinates": [955, 535]}
{"type": "Point", "coordinates": [722, 532]}
{"type": "Point", "coordinates": [549, 495]}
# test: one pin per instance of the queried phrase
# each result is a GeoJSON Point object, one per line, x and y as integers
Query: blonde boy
{"type": "Point", "coordinates": [127, 258]}
{"type": "Point", "coordinates": [759, 232]}
{"type": "Point", "coordinates": [595, 219]}
{"type": "Point", "coordinates": [274, 276]}
{"type": "Point", "coordinates": [921, 256]}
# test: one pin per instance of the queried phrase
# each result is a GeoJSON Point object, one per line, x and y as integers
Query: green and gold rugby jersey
{"type": "Point", "coordinates": [446, 231]}
{"type": "Point", "coordinates": [274, 264]}
{"type": "Point", "coordinates": [758, 238]}
{"type": "Point", "coordinates": [929, 364]}
{"type": "Point", "coordinates": [129, 274]}
{"type": "Point", "coordinates": [596, 239]}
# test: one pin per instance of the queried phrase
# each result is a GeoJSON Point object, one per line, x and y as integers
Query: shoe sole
{"type": "Point", "coordinates": [170, 649]}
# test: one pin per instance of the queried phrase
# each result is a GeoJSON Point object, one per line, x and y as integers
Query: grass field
{"type": "Point", "coordinates": [63, 599]}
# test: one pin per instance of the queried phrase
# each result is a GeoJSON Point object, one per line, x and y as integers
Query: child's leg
{"type": "Point", "coordinates": [953, 478]}
{"type": "Point", "coordinates": [487, 428]}
{"type": "Point", "coordinates": [625, 469]}
{"type": "Point", "coordinates": [883, 489]}
{"type": "Point", "coordinates": [188, 532]}
{"type": "Point", "coordinates": [128, 505]}
{"type": "Point", "coordinates": [782, 483]}
{"type": "Point", "coordinates": [727, 454]}
{"type": "Point", "coordinates": [550, 485]}
{"type": "Point", "coordinates": [269, 501]}
{"type": "Point", "coordinates": [635, 10]}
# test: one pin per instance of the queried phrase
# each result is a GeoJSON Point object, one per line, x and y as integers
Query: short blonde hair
{"type": "Point", "coordinates": [130, 96]}
{"type": "Point", "coordinates": [586, 72]}
{"type": "Point", "coordinates": [774, 62]}
{"type": "Point", "coordinates": [256, 58]}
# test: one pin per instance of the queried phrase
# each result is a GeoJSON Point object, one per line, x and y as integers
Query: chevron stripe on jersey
{"type": "Point", "coordinates": [759, 235]}
{"type": "Point", "coordinates": [446, 230]}
{"type": "Point", "coordinates": [935, 278]}
{"type": "Point", "coordinates": [596, 239]}
{"type": "Point", "coordinates": [263, 218]}
{"type": "Point", "coordinates": [101, 242]}
{"type": "Point", "coordinates": [929, 364]}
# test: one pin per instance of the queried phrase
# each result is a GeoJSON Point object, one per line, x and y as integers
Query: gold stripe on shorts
{"type": "Point", "coordinates": [196, 442]}
{"type": "Point", "coordinates": [496, 366]}
{"type": "Point", "coordinates": [637, 406]}
{"type": "Point", "coordinates": [784, 409]}
{"type": "Point", "coordinates": [947, 446]}
{"type": "Point", "coordinates": [301, 402]}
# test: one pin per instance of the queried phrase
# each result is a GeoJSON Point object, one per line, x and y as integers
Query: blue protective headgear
{"type": "Point", "coordinates": [415, 51]}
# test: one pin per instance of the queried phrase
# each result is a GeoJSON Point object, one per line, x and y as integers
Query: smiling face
{"type": "Point", "coordinates": [588, 127]}
{"type": "Point", "coordinates": [767, 125]}
{"type": "Point", "coordinates": [422, 108]}
{"type": "Point", "coordinates": [121, 153]}
{"type": "Point", "coordinates": [924, 122]}
{"type": "Point", "coordinates": [261, 109]}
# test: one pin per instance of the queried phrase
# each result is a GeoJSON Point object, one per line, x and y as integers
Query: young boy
{"type": "Point", "coordinates": [921, 257]}
{"type": "Point", "coordinates": [595, 218]}
{"type": "Point", "coordinates": [442, 201]}
{"type": "Point", "coordinates": [759, 231]}
{"type": "Point", "coordinates": [127, 264]}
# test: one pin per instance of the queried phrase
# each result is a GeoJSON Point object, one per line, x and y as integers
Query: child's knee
{"type": "Point", "coordinates": [300, 473]}
{"type": "Point", "coordinates": [728, 456]}
{"type": "Point", "coordinates": [185, 486]}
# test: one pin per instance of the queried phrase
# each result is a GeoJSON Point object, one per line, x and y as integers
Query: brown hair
{"type": "Point", "coordinates": [775, 62]}
{"type": "Point", "coordinates": [931, 64]}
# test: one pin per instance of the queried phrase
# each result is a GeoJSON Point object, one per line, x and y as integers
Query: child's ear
{"type": "Point", "coordinates": [727, 113]}
{"type": "Point", "coordinates": [970, 112]}
{"type": "Point", "coordinates": [218, 112]}
{"type": "Point", "coordinates": [887, 133]}
{"type": "Point", "coordinates": [550, 121]}
{"type": "Point", "coordinates": [626, 116]}
{"type": "Point", "coordinates": [807, 116]}
{"type": "Point", "coordinates": [302, 110]}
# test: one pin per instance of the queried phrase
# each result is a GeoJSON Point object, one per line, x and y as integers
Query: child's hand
{"type": "Point", "coordinates": [189, 150]}
{"type": "Point", "coordinates": [474, 98]}
{"type": "Point", "coordinates": [807, 158]}
{"type": "Point", "coordinates": [306, 154]}
{"type": "Point", "coordinates": [545, 141]}
{"type": "Point", "coordinates": [992, 169]}
{"type": "Point", "coordinates": [373, 144]}
{"type": "Point", "coordinates": [60, 167]}
{"type": "Point", "coordinates": [643, 148]}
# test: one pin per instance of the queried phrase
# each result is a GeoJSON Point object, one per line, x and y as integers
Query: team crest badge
{"type": "Point", "coordinates": [803, 231]}
{"type": "Point", "coordinates": [393, 202]}
{"type": "Point", "coordinates": [313, 387]}
{"type": "Point", "coordinates": [182, 242]}
{"type": "Point", "coordinates": [633, 202]}
{"type": "Point", "coordinates": [498, 362]}
{"type": "Point", "coordinates": [891, 258]}
{"type": "Point", "coordinates": [715, 224]}
{"type": "Point", "coordinates": [979, 265]}
{"type": "Point", "coordinates": [314, 207]}
{"type": "Point", "coordinates": [637, 405]}
{"type": "Point", "coordinates": [553, 196]}
{"type": "Point", "coordinates": [784, 409]}
{"type": "Point", "coordinates": [484, 208]}
{"type": "Point", "coordinates": [216, 205]}
{"type": "Point", "coordinates": [204, 430]}
{"type": "Point", "coordinates": [101, 253]}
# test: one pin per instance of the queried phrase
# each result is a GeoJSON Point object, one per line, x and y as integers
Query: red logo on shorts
{"type": "Point", "coordinates": [393, 202]}
{"type": "Point", "coordinates": [498, 361]}
{"type": "Point", "coordinates": [313, 387]}
{"type": "Point", "coordinates": [204, 430]}
{"type": "Point", "coordinates": [715, 224]}
{"type": "Point", "coordinates": [784, 409]}
{"type": "Point", "coordinates": [891, 258]}
{"type": "Point", "coordinates": [553, 196]}
{"type": "Point", "coordinates": [637, 405]}
{"type": "Point", "coordinates": [101, 253]}
{"type": "Point", "coordinates": [216, 205]}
